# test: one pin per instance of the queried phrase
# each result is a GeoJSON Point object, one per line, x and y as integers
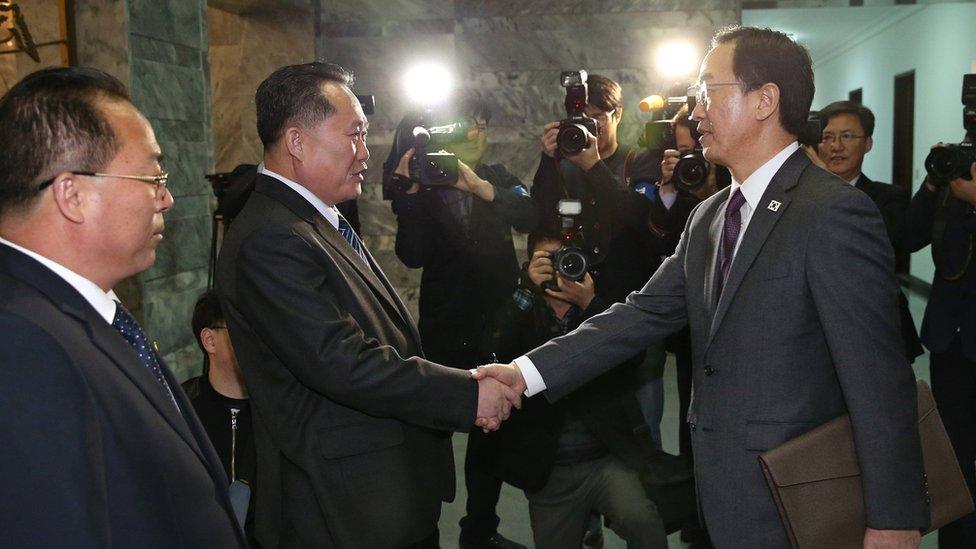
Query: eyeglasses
{"type": "Point", "coordinates": [700, 91]}
{"type": "Point", "coordinates": [602, 114]}
{"type": "Point", "coordinates": [158, 180]}
{"type": "Point", "coordinates": [845, 138]}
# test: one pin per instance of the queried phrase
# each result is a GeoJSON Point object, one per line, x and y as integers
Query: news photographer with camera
{"type": "Point", "coordinates": [583, 160]}
{"type": "Point", "coordinates": [581, 455]}
{"type": "Point", "coordinates": [943, 213]}
{"type": "Point", "coordinates": [456, 224]}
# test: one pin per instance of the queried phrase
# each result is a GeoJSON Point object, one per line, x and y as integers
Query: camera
{"type": "Point", "coordinates": [812, 132]}
{"type": "Point", "coordinates": [573, 131]}
{"type": "Point", "coordinates": [691, 171]}
{"type": "Point", "coordinates": [952, 161]}
{"type": "Point", "coordinates": [436, 167]}
{"type": "Point", "coordinates": [570, 261]}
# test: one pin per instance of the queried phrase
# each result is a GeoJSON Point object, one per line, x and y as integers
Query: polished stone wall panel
{"type": "Point", "coordinates": [510, 52]}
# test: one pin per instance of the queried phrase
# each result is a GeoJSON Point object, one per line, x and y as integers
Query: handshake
{"type": "Point", "coordinates": [500, 386]}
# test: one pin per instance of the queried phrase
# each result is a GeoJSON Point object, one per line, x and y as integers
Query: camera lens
{"type": "Point", "coordinates": [571, 139]}
{"type": "Point", "coordinates": [571, 264]}
{"type": "Point", "coordinates": [690, 171]}
{"type": "Point", "coordinates": [941, 164]}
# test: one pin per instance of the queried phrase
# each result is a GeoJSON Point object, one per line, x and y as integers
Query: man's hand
{"type": "Point", "coordinates": [540, 268]}
{"type": "Point", "coordinates": [588, 157]}
{"type": "Point", "coordinates": [578, 293]}
{"type": "Point", "coordinates": [965, 190]}
{"type": "Point", "coordinates": [469, 182]}
{"type": "Point", "coordinates": [495, 401]}
{"type": "Point", "coordinates": [891, 539]}
{"type": "Point", "coordinates": [668, 161]}
{"type": "Point", "coordinates": [549, 133]}
{"type": "Point", "coordinates": [509, 374]}
{"type": "Point", "coordinates": [403, 168]}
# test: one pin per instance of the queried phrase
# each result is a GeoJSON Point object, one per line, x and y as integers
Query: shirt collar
{"type": "Point", "coordinates": [755, 185]}
{"type": "Point", "coordinates": [330, 213]}
{"type": "Point", "coordinates": [853, 182]}
{"type": "Point", "coordinates": [102, 302]}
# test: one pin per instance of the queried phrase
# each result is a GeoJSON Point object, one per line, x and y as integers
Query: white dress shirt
{"type": "Point", "coordinates": [752, 190]}
{"type": "Point", "coordinates": [103, 302]}
{"type": "Point", "coordinates": [330, 213]}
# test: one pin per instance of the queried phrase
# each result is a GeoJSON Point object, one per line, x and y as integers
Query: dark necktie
{"type": "Point", "coordinates": [350, 235]}
{"type": "Point", "coordinates": [730, 235]}
{"type": "Point", "coordinates": [133, 334]}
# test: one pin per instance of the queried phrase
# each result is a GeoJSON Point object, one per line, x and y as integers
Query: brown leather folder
{"type": "Point", "coordinates": [816, 482]}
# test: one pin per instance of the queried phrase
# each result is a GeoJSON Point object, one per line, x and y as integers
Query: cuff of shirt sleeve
{"type": "Point", "coordinates": [533, 379]}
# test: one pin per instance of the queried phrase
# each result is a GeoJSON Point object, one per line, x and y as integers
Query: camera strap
{"type": "Point", "coordinates": [938, 233]}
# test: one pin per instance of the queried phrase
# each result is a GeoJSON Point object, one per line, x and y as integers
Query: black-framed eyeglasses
{"type": "Point", "coordinates": [159, 180]}
{"type": "Point", "coordinates": [845, 138]}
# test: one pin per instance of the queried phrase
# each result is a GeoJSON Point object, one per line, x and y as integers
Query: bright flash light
{"type": "Point", "coordinates": [675, 59]}
{"type": "Point", "coordinates": [428, 83]}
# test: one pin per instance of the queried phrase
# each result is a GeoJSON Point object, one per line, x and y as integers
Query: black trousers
{"type": "Point", "coordinates": [954, 387]}
{"type": "Point", "coordinates": [480, 521]}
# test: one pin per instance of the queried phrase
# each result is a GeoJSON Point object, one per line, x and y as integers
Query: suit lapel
{"type": "Point", "coordinates": [761, 224]}
{"type": "Point", "coordinates": [371, 272]}
{"type": "Point", "coordinates": [711, 257]}
{"type": "Point", "coordinates": [102, 335]}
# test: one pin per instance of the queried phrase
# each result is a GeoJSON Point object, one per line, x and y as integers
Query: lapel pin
{"type": "Point", "coordinates": [774, 205]}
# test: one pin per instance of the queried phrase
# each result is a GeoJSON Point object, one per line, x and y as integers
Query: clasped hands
{"type": "Point", "coordinates": [500, 387]}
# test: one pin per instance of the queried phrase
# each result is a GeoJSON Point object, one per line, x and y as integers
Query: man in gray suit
{"type": "Point", "coordinates": [786, 281]}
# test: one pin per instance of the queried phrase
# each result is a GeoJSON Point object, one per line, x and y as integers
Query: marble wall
{"type": "Point", "coordinates": [511, 52]}
{"type": "Point", "coordinates": [44, 24]}
{"type": "Point", "coordinates": [247, 43]}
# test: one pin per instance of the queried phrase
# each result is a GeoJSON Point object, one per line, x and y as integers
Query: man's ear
{"type": "Point", "coordinates": [768, 95]}
{"type": "Point", "coordinates": [868, 143]}
{"type": "Point", "coordinates": [207, 340]}
{"type": "Point", "coordinates": [294, 140]}
{"type": "Point", "coordinates": [70, 196]}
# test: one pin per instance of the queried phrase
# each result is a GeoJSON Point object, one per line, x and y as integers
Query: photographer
{"type": "Point", "coordinates": [613, 221]}
{"type": "Point", "coordinates": [581, 455]}
{"type": "Point", "coordinates": [945, 217]}
{"type": "Point", "coordinates": [461, 236]}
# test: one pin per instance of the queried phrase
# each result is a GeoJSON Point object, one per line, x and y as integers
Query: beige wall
{"type": "Point", "coordinates": [246, 45]}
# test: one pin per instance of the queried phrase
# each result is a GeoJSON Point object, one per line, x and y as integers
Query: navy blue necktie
{"type": "Point", "coordinates": [133, 334]}
{"type": "Point", "coordinates": [730, 235]}
{"type": "Point", "coordinates": [350, 235]}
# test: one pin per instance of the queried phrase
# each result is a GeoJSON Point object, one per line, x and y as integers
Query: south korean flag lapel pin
{"type": "Point", "coordinates": [774, 205]}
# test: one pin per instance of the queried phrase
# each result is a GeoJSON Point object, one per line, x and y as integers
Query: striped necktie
{"type": "Point", "coordinates": [350, 235]}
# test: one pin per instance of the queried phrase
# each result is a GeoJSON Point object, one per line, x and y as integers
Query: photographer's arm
{"type": "Point", "coordinates": [621, 203]}
{"type": "Point", "coordinates": [414, 222]}
{"type": "Point", "coordinates": [512, 201]}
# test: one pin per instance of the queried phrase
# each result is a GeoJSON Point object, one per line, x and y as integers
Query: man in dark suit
{"type": "Point", "coordinates": [352, 425]}
{"type": "Point", "coordinates": [787, 283]}
{"type": "Point", "coordinates": [945, 217]}
{"type": "Point", "coordinates": [101, 446]}
{"type": "Point", "coordinates": [846, 139]}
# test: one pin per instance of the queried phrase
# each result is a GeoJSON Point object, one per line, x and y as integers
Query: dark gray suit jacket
{"type": "Point", "coordinates": [805, 330]}
{"type": "Point", "coordinates": [352, 428]}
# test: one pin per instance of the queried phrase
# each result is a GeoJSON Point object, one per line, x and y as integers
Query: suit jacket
{"type": "Point", "coordinates": [893, 202]}
{"type": "Point", "coordinates": [95, 454]}
{"type": "Point", "coordinates": [352, 435]}
{"type": "Point", "coordinates": [805, 330]}
{"type": "Point", "coordinates": [951, 308]}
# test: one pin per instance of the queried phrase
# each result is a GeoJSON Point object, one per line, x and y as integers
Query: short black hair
{"type": "Point", "coordinates": [207, 313]}
{"type": "Point", "coordinates": [603, 93]}
{"type": "Point", "coordinates": [469, 103]}
{"type": "Point", "coordinates": [51, 122]}
{"type": "Point", "coordinates": [545, 231]}
{"type": "Point", "coordinates": [293, 94]}
{"type": "Point", "coordinates": [762, 56]}
{"type": "Point", "coordinates": [863, 114]}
